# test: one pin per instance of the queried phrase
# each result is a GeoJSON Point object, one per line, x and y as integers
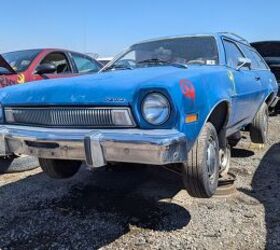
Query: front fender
{"type": "Point", "coordinates": [211, 90]}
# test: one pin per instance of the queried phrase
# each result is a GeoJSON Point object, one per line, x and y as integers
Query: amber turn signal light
{"type": "Point", "coordinates": [191, 118]}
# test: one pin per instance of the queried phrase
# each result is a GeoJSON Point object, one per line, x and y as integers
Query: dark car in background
{"type": "Point", "coordinates": [38, 64]}
{"type": "Point", "coordinates": [270, 50]}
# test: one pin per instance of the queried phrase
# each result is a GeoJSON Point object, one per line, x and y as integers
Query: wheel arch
{"type": "Point", "coordinates": [219, 117]}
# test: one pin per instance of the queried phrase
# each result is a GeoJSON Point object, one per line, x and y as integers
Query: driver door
{"type": "Point", "coordinates": [63, 67]}
{"type": "Point", "coordinates": [247, 86]}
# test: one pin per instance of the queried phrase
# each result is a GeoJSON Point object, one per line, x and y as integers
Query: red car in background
{"type": "Point", "coordinates": [37, 64]}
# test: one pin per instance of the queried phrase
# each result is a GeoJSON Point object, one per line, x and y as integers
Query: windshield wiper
{"type": "Point", "coordinates": [153, 61]}
{"type": "Point", "coordinates": [156, 61]}
{"type": "Point", "coordinates": [118, 67]}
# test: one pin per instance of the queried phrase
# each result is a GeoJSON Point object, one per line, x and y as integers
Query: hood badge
{"type": "Point", "coordinates": [115, 99]}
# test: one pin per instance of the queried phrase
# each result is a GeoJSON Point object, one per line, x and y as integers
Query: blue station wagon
{"type": "Point", "coordinates": [171, 101]}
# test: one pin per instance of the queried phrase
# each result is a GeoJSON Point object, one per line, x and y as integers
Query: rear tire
{"type": "Point", "coordinates": [60, 169]}
{"type": "Point", "coordinates": [201, 171]}
{"type": "Point", "coordinates": [259, 126]}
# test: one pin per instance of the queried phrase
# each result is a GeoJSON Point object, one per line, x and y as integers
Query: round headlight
{"type": "Point", "coordinates": [155, 109]}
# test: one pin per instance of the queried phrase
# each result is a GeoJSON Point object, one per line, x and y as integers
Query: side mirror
{"type": "Point", "coordinates": [46, 68]}
{"type": "Point", "coordinates": [244, 62]}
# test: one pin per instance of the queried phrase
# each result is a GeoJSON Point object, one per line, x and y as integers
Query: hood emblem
{"type": "Point", "coordinates": [115, 99]}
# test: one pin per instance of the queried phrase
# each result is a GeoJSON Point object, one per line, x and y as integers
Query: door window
{"type": "Point", "coordinates": [233, 53]}
{"type": "Point", "coordinates": [59, 60]}
{"type": "Point", "coordinates": [85, 64]}
{"type": "Point", "coordinates": [257, 61]}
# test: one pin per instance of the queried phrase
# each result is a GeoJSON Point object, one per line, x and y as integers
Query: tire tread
{"type": "Point", "coordinates": [193, 175]}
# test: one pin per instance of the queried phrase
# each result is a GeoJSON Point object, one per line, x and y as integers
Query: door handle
{"type": "Point", "coordinates": [258, 78]}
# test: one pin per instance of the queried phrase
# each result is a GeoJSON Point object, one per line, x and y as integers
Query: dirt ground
{"type": "Point", "coordinates": [144, 207]}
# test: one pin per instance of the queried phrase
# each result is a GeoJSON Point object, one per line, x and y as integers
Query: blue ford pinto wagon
{"type": "Point", "coordinates": [176, 101]}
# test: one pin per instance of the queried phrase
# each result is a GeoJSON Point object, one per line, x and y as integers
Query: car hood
{"type": "Point", "coordinates": [108, 88]}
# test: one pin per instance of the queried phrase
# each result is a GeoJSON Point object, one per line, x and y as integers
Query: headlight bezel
{"type": "Point", "coordinates": [169, 108]}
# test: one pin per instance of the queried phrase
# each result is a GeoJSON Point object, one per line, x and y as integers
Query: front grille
{"type": "Point", "coordinates": [61, 116]}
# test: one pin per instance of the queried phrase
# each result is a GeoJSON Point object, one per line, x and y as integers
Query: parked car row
{"type": "Point", "coordinates": [172, 101]}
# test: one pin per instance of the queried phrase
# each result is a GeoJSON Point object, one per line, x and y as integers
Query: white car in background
{"type": "Point", "coordinates": [104, 60]}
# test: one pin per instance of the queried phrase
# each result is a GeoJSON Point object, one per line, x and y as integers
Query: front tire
{"type": "Point", "coordinates": [201, 171]}
{"type": "Point", "coordinates": [259, 126]}
{"type": "Point", "coordinates": [59, 169]}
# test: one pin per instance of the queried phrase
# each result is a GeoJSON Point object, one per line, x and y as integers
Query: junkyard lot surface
{"type": "Point", "coordinates": [144, 208]}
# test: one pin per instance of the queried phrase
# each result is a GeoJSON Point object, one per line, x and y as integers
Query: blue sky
{"type": "Point", "coordinates": [106, 27]}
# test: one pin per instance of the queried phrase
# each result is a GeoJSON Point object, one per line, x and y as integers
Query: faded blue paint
{"type": "Point", "coordinates": [213, 85]}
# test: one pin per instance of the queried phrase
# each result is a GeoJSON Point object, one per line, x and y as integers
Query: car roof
{"type": "Point", "coordinates": [39, 50]}
{"type": "Point", "coordinates": [46, 50]}
{"type": "Point", "coordinates": [267, 42]}
{"type": "Point", "coordinates": [268, 48]}
{"type": "Point", "coordinates": [228, 35]}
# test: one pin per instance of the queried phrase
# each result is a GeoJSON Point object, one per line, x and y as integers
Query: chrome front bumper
{"type": "Point", "coordinates": [97, 146]}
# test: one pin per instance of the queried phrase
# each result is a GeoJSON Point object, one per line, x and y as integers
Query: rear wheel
{"type": "Point", "coordinates": [201, 171]}
{"type": "Point", "coordinates": [60, 169]}
{"type": "Point", "coordinates": [259, 126]}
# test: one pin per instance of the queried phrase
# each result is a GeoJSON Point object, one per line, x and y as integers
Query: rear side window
{"type": "Point", "coordinates": [233, 53]}
{"type": "Point", "coordinates": [85, 64]}
{"type": "Point", "coordinates": [257, 60]}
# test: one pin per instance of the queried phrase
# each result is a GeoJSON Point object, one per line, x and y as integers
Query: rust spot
{"type": "Point", "coordinates": [187, 88]}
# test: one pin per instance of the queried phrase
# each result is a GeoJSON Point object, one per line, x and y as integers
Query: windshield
{"type": "Point", "coordinates": [20, 60]}
{"type": "Point", "coordinates": [183, 51]}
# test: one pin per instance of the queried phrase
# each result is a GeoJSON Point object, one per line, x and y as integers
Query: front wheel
{"type": "Point", "coordinates": [201, 171]}
{"type": "Point", "coordinates": [59, 169]}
